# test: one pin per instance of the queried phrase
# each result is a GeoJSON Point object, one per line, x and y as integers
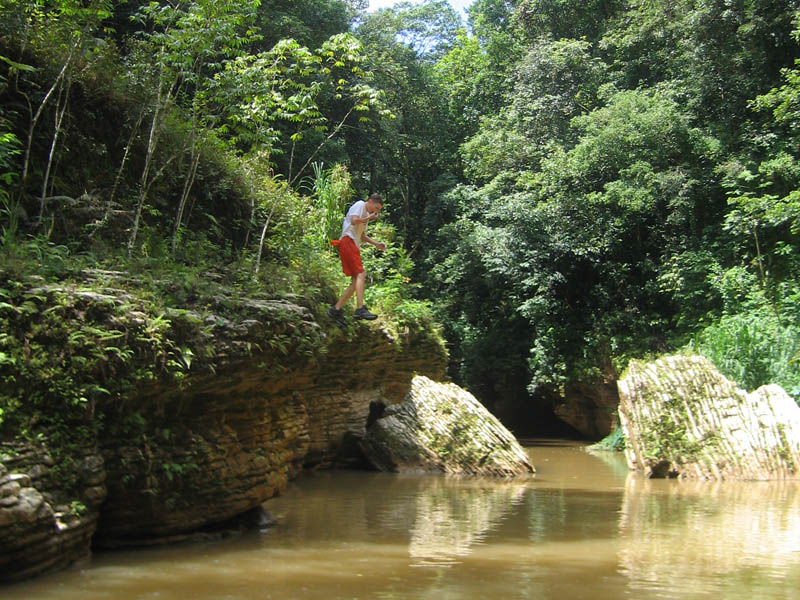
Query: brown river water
{"type": "Point", "coordinates": [583, 527]}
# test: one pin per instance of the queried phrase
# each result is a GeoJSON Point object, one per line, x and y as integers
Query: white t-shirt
{"type": "Point", "coordinates": [359, 209]}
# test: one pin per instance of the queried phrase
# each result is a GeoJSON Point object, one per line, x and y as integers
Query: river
{"type": "Point", "coordinates": [583, 527]}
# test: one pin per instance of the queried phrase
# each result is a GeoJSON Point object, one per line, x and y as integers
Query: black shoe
{"type": "Point", "coordinates": [337, 315]}
{"type": "Point", "coordinates": [363, 313]}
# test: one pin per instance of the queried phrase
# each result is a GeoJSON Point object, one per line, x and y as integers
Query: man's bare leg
{"type": "Point", "coordinates": [348, 293]}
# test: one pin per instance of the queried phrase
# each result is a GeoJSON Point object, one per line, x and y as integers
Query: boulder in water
{"type": "Point", "coordinates": [442, 428]}
{"type": "Point", "coordinates": [682, 418]}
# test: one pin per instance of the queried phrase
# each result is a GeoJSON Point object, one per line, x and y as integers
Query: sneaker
{"type": "Point", "coordinates": [337, 315]}
{"type": "Point", "coordinates": [363, 313]}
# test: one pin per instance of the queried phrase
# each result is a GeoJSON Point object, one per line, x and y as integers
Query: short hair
{"type": "Point", "coordinates": [376, 198]}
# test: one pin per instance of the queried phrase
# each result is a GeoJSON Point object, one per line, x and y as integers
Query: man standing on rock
{"type": "Point", "coordinates": [354, 231]}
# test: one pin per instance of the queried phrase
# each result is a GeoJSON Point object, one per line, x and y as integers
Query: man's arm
{"type": "Point", "coordinates": [359, 220]}
{"type": "Point", "coordinates": [369, 240]}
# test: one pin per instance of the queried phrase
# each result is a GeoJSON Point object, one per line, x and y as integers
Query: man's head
{"type": "Point", "coordinates": [374, 203]}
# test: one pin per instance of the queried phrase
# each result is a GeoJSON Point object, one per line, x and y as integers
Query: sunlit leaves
{"type": "Point", "coordinates": [194, 39]}
{"type": "Point", "coordinates": [576, 242]}
{"type": "Point", "coordinates": [576, 19]}
{"type": "Point", "coordinates": [634, 127]}
{"type": "Point", "coordinates": [553, 83]}
{"type": "Point", "coordinates": [287, 84]}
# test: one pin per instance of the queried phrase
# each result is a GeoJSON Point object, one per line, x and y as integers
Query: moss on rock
{"type": "Point", "coordinates": [443, 428]}
{"type": "Point", "coordinates": [681, 417]}
{"type": "Point", "coordinates": [149, 418]}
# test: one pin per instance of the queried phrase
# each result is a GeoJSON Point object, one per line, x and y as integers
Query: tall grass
{"type": "Point", "coordinates": [754, 348]}
{"type": "Point", "coordinates": [333, 192]}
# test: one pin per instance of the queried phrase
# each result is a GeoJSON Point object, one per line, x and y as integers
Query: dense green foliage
{"type": "Point", "coordinates": [635, 191]}
{"type": "Point", "coordinates": [164, 172]}
{"type": "Point", "coordinates": [570, 184]}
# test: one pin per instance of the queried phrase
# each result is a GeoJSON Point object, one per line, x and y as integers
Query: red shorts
{"type": "Point", "coordinates": [350, 256]}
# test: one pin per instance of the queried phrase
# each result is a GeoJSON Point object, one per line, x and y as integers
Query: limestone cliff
{"type": "Point", "coordinates": [237, 437]}
{"type": "Point", "coordinates": [39, 531]}
{"type": "Point", "coordinates": [270, 391]}
{"type": "Point", "coordinates": [590, 409]}
{"type": "Point", "coordinates": [682, 418]}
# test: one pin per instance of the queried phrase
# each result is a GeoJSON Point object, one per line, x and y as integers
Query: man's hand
{"type": "Point", "coordinates": [380, 246]}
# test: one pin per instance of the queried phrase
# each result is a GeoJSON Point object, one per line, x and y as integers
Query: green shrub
{"type": "Point", "coordinates": [390, 289]}
{"type": "Point", "coordinates": [754, 348]}
{"type": "Point", "coordinates": [613, 441]}
{"type": "Point", "coordinates": [333, 193]}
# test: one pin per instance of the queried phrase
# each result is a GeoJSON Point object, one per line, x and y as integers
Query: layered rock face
{"type": "Point", "coordinates": [682, 418]}
{"type": "Point", "coordinates": [235, 439]}
{"type": "Point", "coordinates": [175, 458]}
{"type": "Point", "coordinates": [207, 453]}
{"type": "Point", "coordinates": [40, 527]}
{"type": "Point", "coordinates": [443, 428]}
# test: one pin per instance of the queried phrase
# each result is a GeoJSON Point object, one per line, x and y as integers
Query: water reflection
{"type": "Point", "coordinates": [582, 528]}
{"type": "Point", "coordinates": [451, 519]}
{"type": "Point", "coordinates": [701, 536]}
{"type": "Point", "coordinates": [437, 518]}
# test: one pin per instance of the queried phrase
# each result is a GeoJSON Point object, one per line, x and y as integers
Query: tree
{"type": "Point", "coordinates": [427, 28]}
{"type": "Point", "coordinates": [574, 248]}
{"type": "Point", "coordinates": [555, 82]}
{"type": "Point", "coordinates": [404, 157]}
{"type": "Point", "coordinates": [67, 29]}
{"type": "Point", "coordinates": [285, 84]}
{"type": "Point", "coordinates": [474, 298]}
{"type": "Point", "coordinates": [499, 47]}
{"type": "Point", "coordinates": [309, 22]}
{"type": "Point", "coordinates": [558, 19]}
{"type": "Point", "coordinates": [720, 55]}
{"type": "Point", "coordinates": [186, 47]}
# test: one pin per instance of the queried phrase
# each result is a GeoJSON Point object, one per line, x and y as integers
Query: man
{"type": "Point", "coordinates": [354, 231]}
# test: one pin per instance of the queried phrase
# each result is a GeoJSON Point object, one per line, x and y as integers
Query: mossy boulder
{"type": "Point", "coordinates": [682, 418]}
{"type": "Point", "coordinates": [443, 428]}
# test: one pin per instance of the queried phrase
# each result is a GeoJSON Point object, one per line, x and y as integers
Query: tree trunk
{"type": "Point", "coordinates": [61, 109]}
